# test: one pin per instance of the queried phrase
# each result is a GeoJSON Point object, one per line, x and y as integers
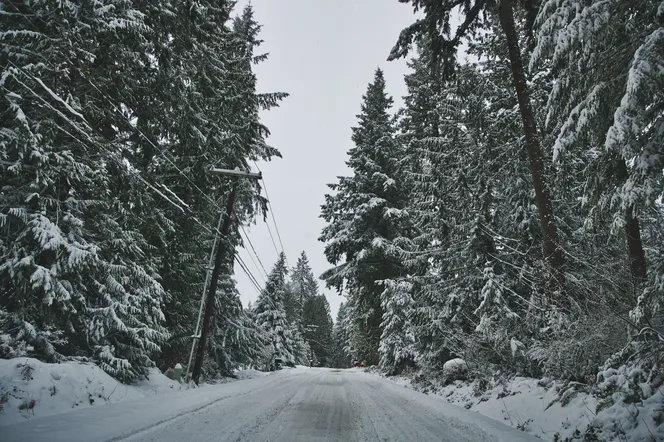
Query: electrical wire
{"type": "Point", "coordinates": [183, 209]}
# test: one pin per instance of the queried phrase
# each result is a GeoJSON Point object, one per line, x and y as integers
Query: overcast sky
{"type": "Point", "coordinates": [324, 54]}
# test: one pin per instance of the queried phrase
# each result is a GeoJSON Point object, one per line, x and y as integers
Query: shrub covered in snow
{"type": "Point", "coordinates": [455, 369]}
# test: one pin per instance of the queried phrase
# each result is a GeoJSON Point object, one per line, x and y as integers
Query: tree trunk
{"type": "Point", "coordinates": [637, 257]}
{"type": "Point", "coordinates": [550, 247]}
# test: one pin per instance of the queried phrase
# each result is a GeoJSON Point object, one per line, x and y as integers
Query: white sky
{"type": "Point", "coordinates": [324, 54]}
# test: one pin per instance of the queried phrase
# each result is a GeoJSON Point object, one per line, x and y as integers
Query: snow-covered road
{"type": "Point", "coordinates": [291, 405]}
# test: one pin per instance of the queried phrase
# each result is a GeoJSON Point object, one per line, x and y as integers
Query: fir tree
{"type": "Point", "coordinates": [302, 287]}
{"type": "Point", "coordinates": [271, 316]}
{"type": "Point", "coordinates": [435, 29]}
{"type": "Point", "coordinates": [340, 354]}
{"type": "Point", "coordinates": [74, 274]}
{"type": "Point", "coordinates": [235, 339]}
{"type": "Point", "coordinates": [112, 118]}
{"type": "Point", "coordinates": [365, 215]}
{"type": "Point", "coordinates": [591, 110]}
{"type": "Point", "coordinates": [317, 325]}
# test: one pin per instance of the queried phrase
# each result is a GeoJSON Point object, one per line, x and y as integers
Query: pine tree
{"type": "Point", "coordinates": [302, 287]}
{"type": "Point", "coordinates": [397, 340]}
{"type": "Point", "coordinates": [592, 112]}
{"type": "Point", "coordinates": [464, 291]}
{"type": "Point", "coordinates": [340, 355]}
{"type": "Point", "coordinates": [73, 271]}
{"type": "Point", "coordinates": [209, 54]}
{"type": "Point", "coordinates": [235, 339]}
{"type": "Point", "coordinates": [271, 316]}
{"type": "Point", "coordinates": [112, 118]}
{"type": "Point", "coordinates": [301, 349]}
{"type": "Point", "coordinates": [435, 28]}
{"type": "Point", "coordinates": [317, 325]}
{"type": "Point", "coordinates": [364, 216]}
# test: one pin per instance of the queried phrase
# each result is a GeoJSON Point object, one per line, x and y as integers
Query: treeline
{"type": "Point", "coordinates": [111, 114]}
{"type": "Point", "coordinates": [293, 318]}
{"type": "Point", "coordinates": [510, 213]}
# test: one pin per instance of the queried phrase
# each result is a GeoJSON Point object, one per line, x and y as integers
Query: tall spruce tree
{"type": "Point", "coordinates": [594, 112]}
{"type": "Point", "coordinates": [75, 275]}
{"type": "Point", "coordinates": [340, 355]}
{"type": "Point", "coordinates": [235, 339]}
{"type": "Point", "coordinates": [271, 315]}
{"type": "Point", "coordinates": [365, 215]}
{"type": "Point", "coordinates": [302, 287]}
{"type": "Point", "coordinates": [317, 325]}
{"type": "Point", "coordinates": [435, 29]}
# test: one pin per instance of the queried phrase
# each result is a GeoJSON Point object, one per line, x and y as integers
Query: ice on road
{"type": "Point", "coordinates": [291, 405]}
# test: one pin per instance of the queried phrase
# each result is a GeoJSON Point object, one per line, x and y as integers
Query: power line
{"type": "Point", "coordinates": [176, 202]}
{"type": "Point", "coordinates": [274, 220]}
{"type": "Point", "coordinates": [274, 244]}
{"type": "Point", "coordinates": [165, 156]}
{"type": "Point", "coordinates": [246, 235]}
{"type": "Point", "coordinates": [256, 267]}
{"type": "Point", "coordinates": [163, 153]}
{"type": "Point", "coordinates": [112, 154]}
{"type": "Point", "coordinates": [136, 174]}
{"type": "Point", "coordinates": [251, 277]}
{"type": "Point", "coordinates": [186, 209]}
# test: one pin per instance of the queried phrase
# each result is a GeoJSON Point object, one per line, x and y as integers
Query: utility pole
{"type": "Point", "coordinates": [216, 271]}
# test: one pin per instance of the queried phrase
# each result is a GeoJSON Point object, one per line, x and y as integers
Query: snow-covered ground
{"type": "Point", "coordinates": [30, 389]}
{"type": "Point", "coordinates": [550, 411]}
{"type": "Point", "coordinates": [289, 405]}
{"type": "Point", "coordinates": [66, 402]}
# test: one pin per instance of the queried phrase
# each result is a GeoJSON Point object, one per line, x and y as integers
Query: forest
{"type": "Point", "coordinates": [112, 113]}
{"type": "Point", "coordinates": [509, 213]}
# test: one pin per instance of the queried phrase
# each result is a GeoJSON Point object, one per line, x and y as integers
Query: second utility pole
{"type": "Point", "coordinates": [216, 271]}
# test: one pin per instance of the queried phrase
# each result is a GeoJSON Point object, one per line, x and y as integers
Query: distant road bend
{"type": "Point", "coordinates": [290, 405]}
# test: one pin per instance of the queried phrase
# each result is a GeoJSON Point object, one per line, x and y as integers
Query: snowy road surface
{"type": "Point", "coordinates": [291, 405]}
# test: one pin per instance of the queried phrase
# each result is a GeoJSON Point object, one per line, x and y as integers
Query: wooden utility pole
{"type": "Point", "coordinates": [216, 271]}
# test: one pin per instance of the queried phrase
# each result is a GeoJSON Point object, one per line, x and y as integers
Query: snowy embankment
{"type": "Point", "coordinates": [551, 411]}
{"type": "Point", "coordinates": [30, 388]}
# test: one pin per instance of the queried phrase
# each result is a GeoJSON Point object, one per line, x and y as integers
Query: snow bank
{"type": "Point", "coordinates": [249, 374]}
{"type": "Point", "coordinates": [527, 404]}
{"type": "Point", "coordinates": [546, 410]}
{"type": "Point", "coordinates": [31, 388]}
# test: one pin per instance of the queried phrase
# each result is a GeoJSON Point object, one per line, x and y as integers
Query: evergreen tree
{"type": "Point", "coordinates": [235, 339]}
{"type": "Point", "coordinates": [74, 274]}
{"type": "Point", "coordinates": [204, 55]}
{"type": "Point", "coordinates": [435, 29]}
{"type": "Point", "coordinates": [301, 348]}
{"type": "Point", "coordinates": [592, 113]}
{"type": "Point", "coordinates": [302, 287]}
{"type": "Point", "coordinates": [113, 114]}
{"type": "Point", "coordinates": [365, 216]}
{"type": "Point", "coordinates": [397, 340]}
{"type": "Point", "coordinates": [271, 316]}
{"type": "Point", "coordinates": [340, 355]}
{"type": "Point", "coordinates": [317, 325]}
{"type": "Point", "coordinates": [465, 291]}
